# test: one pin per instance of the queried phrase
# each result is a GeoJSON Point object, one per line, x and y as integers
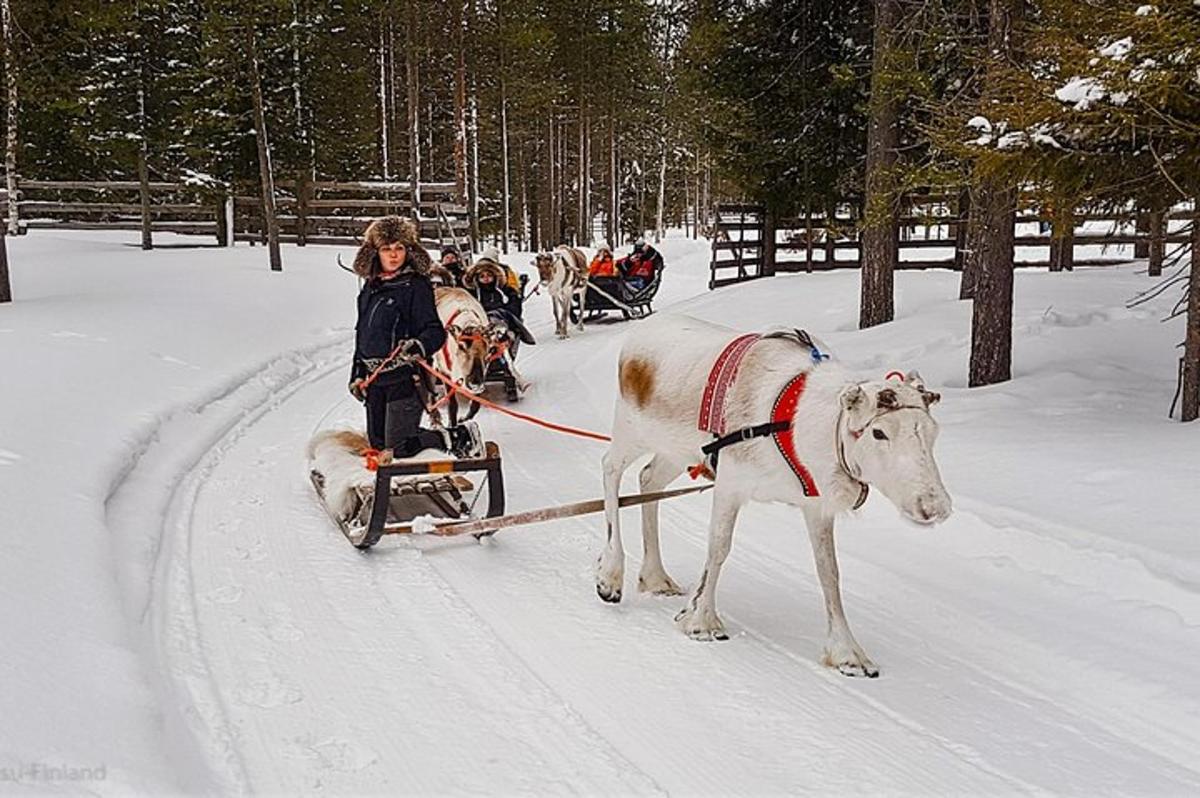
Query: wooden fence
{"type": "Point", "coordinates": [322, 212]}
{"type": "Point", "coordinates": [748, 243]}
{"type": "Point", "coordinates": [330, 212]}
{"type": "Point", "coordinates": [191, 209]}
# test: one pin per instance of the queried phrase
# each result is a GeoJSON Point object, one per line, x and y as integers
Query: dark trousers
{"type": "Point", "coordinates": [394, 420]}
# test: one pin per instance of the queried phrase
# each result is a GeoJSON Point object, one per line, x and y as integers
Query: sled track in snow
{"type": "Point", "coordinates": [304, 665]}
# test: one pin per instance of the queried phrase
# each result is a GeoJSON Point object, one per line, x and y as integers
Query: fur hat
{"type": "Point", "coordinates": [603, 247]}
{"type": "Point", "coordinates": [480, 267]}
{"type": "Point", "coordinates": [390, 230]}
{"type": "Point", "coordinates": [490, 254]}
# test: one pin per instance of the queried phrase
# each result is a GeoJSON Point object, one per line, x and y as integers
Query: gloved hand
{"type": "Point", "coordinates": [358, 390]}
{"type": "Point", "coordinates": [411, 347]}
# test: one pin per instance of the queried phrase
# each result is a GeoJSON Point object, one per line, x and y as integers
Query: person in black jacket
{"type": "Point", "coordinates": [397, 314]}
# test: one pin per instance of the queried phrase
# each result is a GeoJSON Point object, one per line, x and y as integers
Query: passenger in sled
{"type": "Point", "coordinates": [640, 267]}
{"type": "Point", "coordinates": [488, 281]}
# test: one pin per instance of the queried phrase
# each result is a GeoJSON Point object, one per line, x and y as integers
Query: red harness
{"type": "Point", "coordinates": [712, 414]}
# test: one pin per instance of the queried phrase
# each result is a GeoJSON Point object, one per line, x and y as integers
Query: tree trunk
{"type": "Point", "coordinates": [5, 282]}
{"type": "Point", "coordinates": [1190, 409]}
{"type": "Point", "coordinates": [414, 109]}
{"type": "Point", "coordinates": [143, 167]}
{"type": "Point", "coordinates": [614, 190]}
{"type": "Point", "coordinates": [473, 128]}
{"type": "Point", "coordinates": [991, 321]}
{"type": "Point", "coordinates": [504, 154]}
{"type": "Point", "coordinates": [970, 273]}
{"type": "Point", "coordinates": [662, 191]}
{"type": "Point", "coordinates": [460, 105]}
{"type": "Point", "coordinates": [880, 249]}
{"type": "Point", "coordinates": [10, 148]}
{"type": "Point", "coordinates": [270, 221]}
{"type": "Point", "coordinates": [384, 114]}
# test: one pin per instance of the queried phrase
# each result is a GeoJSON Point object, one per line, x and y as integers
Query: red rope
{"type": "Point", "coordinates": [474, 397]}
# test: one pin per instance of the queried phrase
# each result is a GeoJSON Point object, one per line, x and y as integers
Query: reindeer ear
{"type": "Point", "coordinates": [887, 399]}
{"type": "Point", "coordinates": [853, 396]}
{"type": "Point", "coordinates": [915, 379]}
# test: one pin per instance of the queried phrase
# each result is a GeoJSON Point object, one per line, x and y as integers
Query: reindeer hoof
{"type": "Point", "coordinates": [659, 585]}
{"type": "Point", "coordinates": [850, 662]}
{"type": "Point", "coordinates": [701, 625]}
{"type": "Point", "coordinates": [608, 593]}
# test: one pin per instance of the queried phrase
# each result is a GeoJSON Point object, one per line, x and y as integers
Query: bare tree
{"type": "Point", "coordinates": [504, 154]}
{"type": "Point", "coordinates": [880, 249]}
{"type": "Point", "coordinates": [460, 105]}
{"type": "Point", "coordinates": [270, 220]}
{"type": "Point", "coordinates": [414, 109]}
{"type": "Point", "coordinates": [10, 148]}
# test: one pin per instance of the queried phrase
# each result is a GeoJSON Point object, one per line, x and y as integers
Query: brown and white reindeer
{"type": "Point", "coordinates": [464, 357]}
{"type": "Point", "coordinates": [563, 272]}
{"type": "Point", "coordinates": [801, 431]}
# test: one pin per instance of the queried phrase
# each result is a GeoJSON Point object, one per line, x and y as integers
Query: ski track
{"type": "Point", "coordinates": [427, 665]}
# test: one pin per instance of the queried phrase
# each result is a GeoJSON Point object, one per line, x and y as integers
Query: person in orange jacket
{"type": "Point", "coordinates": [603, 264]}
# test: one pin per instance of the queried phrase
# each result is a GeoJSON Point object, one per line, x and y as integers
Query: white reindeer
{"type": "Point", "coordinates": [564, 274]}
{"type": "Point", "coordinates": [845, 435]}
{"type": "Point", "coordinates": [464, 357]}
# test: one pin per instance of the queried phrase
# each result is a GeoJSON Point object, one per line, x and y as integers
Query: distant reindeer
{"type": "Point", "coordinates": [564, 274]}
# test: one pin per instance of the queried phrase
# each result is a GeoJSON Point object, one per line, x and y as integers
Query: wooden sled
{"type": "Point", "coordinates": [429, 490]}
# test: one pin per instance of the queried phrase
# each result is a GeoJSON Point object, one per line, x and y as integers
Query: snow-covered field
{"type": "Point", "coordinates": [180, 616]}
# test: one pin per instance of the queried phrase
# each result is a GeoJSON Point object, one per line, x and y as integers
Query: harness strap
{"type": "Point", "coordinates": [713, 449]}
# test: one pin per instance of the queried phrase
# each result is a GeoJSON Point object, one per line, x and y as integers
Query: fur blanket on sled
{"type": "Point", "coordinates": [337, 455]}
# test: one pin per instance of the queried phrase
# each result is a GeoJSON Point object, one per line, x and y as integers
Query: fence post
{"type": "Point", "coordinates": [962, 212]}
{"type": "Point", "coordinates": [808, 239]}
{"type": "Point", "coordinates": [1062, 241]}
{"type": "Point", "coordinates": [1157, 243]}
{"type": "Point", "coordinates": [1141, 246]}
{"type": "Point", "coordinates": [830, 237]}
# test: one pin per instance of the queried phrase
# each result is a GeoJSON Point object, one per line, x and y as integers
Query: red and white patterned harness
{"type": "Point", "coordinates": [716, 392]}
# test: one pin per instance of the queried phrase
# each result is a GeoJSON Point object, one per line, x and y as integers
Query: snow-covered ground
{"type": "Point", "coordinates": [179, 615]}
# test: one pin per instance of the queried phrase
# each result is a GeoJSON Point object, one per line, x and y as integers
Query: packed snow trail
{"type": "Point", "coordinates": [431, 665]}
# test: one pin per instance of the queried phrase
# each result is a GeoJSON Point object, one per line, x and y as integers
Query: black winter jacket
{"type": "Point", "coordinates": [388, 312]}
{"type": "Point", "coordinates": [498, 298]}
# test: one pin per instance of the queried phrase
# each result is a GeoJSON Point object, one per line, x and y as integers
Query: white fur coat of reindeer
{"type": "Point", "coordinates": [847, 433]}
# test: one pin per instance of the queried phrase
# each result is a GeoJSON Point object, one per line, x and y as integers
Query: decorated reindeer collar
{"type": "Point", "coordinates": [888, 402]}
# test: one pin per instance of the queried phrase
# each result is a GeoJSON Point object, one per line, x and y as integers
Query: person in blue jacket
{"type": "Point", "coordinates": [397, 312]}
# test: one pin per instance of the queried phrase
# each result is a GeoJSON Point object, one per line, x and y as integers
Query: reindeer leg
{"type": "Point", "coordinates": [842, 651]}
{"type": "Point", "coordinates": [452, 408]}
{"type": "Point", "coordinates": [699, 619]}
{"type": "Point", "coordinates": [610, 569]}
{"type": "Point", "coordinates": [653, 578]}
{"type": "Point", "coordinates": [581, 295]}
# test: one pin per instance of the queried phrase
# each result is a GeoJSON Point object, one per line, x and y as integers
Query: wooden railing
{"type": "Point", "coordinates": [747, 244]}
{"type": "Point", "coordinates": [321, 212]}
{"type": "Point", "coordinates": [177, 207]}
{"type": "Point", "coordinates": [332, 212]}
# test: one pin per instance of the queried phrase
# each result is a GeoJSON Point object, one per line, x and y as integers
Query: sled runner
{"type": "Point", "coordinates": [418, 492]}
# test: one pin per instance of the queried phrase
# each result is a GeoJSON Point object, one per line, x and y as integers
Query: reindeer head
{"type": "Point", "coordinates": [887, 439]}
{"type": "Point", "coordinates": [469, 354]}
{"type": "Point", "coordinates": [544, 261]}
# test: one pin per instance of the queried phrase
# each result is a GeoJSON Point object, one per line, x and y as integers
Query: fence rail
{"type": "Point", "coordinates": [309, 212]}
{"type": "Point", "coordinates": [749, 244]}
